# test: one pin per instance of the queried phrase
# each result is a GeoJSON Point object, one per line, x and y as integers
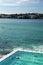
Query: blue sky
{"type": "Point", "coordinates": [21, 6]}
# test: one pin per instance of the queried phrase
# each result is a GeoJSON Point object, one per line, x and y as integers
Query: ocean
{"type": "Point", "coordinates": [21, 33]}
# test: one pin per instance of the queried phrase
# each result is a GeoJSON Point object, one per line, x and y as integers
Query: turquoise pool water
{"type": "Point", "coordinates": [24, 58]}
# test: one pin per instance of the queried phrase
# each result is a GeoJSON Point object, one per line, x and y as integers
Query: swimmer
{"type": "Point", "coordinates": [17, 57]}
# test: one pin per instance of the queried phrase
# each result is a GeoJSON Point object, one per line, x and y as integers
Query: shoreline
{"type": "Point", "coordinates": [23, 16]}
{"type": "Point", "coordinates": [15, 50]}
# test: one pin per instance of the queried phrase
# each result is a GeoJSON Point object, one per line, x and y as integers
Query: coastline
{"type": "Point", "coordinates": [22, 16]}
{"type": "Point", "coordinates": [15, 50]}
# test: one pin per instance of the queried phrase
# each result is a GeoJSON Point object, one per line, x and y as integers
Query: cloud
{"type": "Point", "coordinates": [12, 2]}
{"type": "Point", "coordinates": [16, 2]}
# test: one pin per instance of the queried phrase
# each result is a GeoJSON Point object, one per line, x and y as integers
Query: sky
{"type": "Point", "coordinates": [21, 6]}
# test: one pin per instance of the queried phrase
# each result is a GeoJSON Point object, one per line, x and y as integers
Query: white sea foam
{"type": "Point", "coordinates": [18, 49]}
{"type": "Point", "coordinates": [38, 48]}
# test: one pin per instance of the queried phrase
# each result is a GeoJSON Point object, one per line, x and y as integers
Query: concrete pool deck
{"type": "Point", "coordinates": [15, 50]}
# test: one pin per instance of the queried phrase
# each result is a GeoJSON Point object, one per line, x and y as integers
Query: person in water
{"type": "Point", "coordinates": [17, 57]}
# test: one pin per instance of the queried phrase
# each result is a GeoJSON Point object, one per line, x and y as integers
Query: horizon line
{"type": "Point", "coordinates": [23, 13]}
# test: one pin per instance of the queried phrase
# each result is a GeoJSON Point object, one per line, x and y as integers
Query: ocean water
{"type": "Point", "coordinates": [21, 33]}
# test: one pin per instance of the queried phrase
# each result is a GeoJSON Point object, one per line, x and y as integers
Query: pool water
{"type": "Point", "coordinates": [24, 58]}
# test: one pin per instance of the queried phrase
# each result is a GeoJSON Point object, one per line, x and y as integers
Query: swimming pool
{"type": "Point", "coordinates": [23, 58]}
